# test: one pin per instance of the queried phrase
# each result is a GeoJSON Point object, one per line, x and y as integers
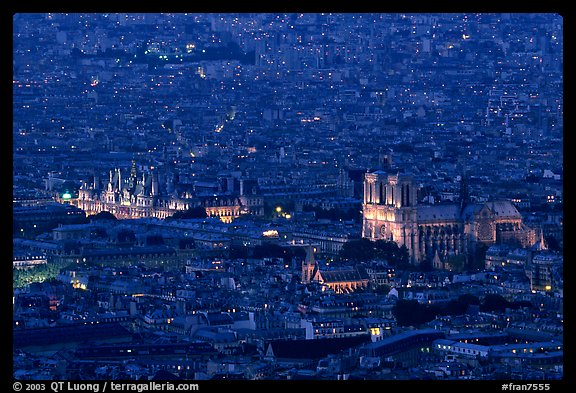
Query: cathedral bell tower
{"type": "Point", "coordinates": [390, 210]}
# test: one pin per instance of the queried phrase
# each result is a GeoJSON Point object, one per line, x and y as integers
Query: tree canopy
{"type": "Point", "coordinates": [271, 250]}
{"type": "Point", "coordinates": [103, 215]}
{"type": "Point", "coordinates": [494, 302]}
{"type": "Point", "coordinates": [364, 250]}
{"type": "Point", "coordinates": [412, 313]}
{"type": "Point", "coordinates": [193, 212]}
{"type": "Point", "coordinates": [460, 305]}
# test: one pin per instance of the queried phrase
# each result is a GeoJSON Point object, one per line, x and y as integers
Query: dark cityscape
{"type": "Point", "coordinates": [287, 197]}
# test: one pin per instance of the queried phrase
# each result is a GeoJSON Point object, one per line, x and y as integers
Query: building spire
{"type": "Point", "coordinates": [541, 243]}
{"type": "Point", "coordinates": [310, 255]}
{"type": "Point", "coordinates": [308, 265]}
{"type": "Point", "coordinates": [464, 191]}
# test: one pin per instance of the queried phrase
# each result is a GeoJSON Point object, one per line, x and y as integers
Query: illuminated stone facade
{"type": "Point", "coordinates": [340, 281]}
{"type": "Point", "coordinates": [435, 232]}
{"type": "Point", "coordinates": [138, 196]}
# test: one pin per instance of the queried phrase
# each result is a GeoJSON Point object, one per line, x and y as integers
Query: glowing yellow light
{"type": "Point", "coordinates": [548, 288]}
{"type": "Point", "coordinates": [270, 233]}
{"type": "Point", "coordinates": [278, 209]}
{"type": "Point", "coordinates": [78, 285]}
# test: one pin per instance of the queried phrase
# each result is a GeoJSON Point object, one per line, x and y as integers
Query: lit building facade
{"type": "Point", "coordinates": [143, 195]}
{"type": "Point", "coordinates": [546, 271]}
{"type": "Point", "coordinates": [340, 281]}
{"type": "Point", "coordinates": [436, 232]}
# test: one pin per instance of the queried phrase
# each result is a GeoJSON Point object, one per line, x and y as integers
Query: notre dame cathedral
{"type": "Point", "coordinates": [434, 233]}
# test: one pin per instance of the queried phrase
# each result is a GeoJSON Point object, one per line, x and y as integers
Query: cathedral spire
{"type": "Point", "coordinates": [540, 244]}
{"type": "Point", "coordinates": [464, 192]}
{"type": "Point", "coordinates": [436, 261]}
{"type": "Point", "coordinates": [308, 265]}
{"type": "Point", "coordinates": [310, 255]}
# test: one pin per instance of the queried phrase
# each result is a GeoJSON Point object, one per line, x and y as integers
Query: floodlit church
{"type": "Point", "coordinates": [339, 280]}
{"type": "Point", "coordinates": [435, 232]}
